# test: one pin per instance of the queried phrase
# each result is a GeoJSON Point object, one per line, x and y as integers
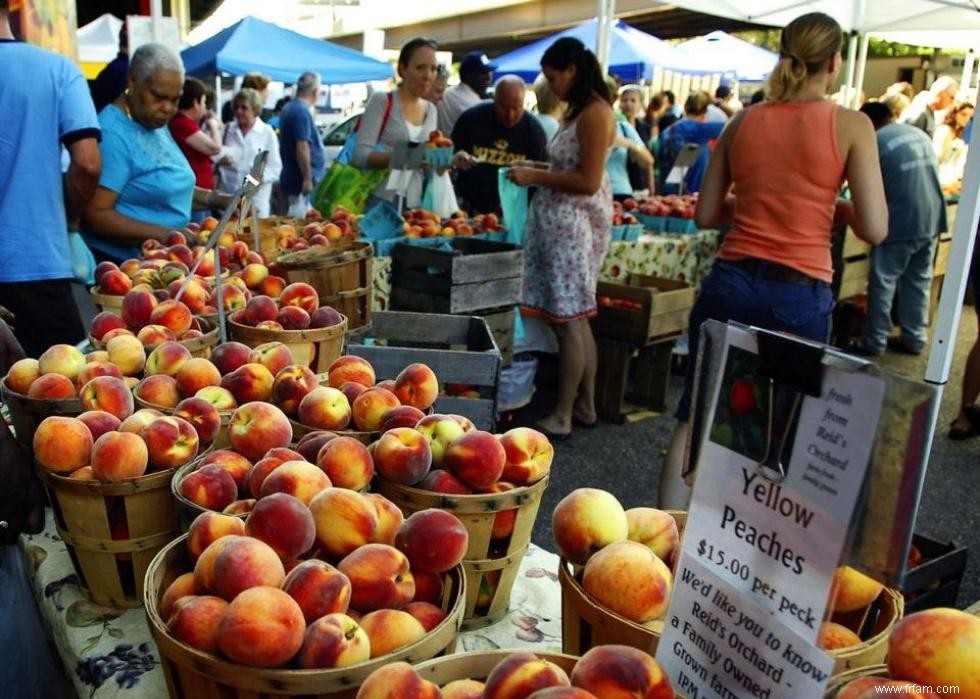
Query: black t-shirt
{"type": "Point", "coordinates": [638, 173]}
{"type": "Point", "coordinates": [478, 132]}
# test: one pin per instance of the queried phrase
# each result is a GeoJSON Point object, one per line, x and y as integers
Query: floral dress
{"type": "Point", "coordinates": [567, 238]}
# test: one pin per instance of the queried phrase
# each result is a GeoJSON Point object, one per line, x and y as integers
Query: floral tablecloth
{"type": "Point", "coordinates": [108, 652]}
{"type": "Point", "coordinates": [687, 257]}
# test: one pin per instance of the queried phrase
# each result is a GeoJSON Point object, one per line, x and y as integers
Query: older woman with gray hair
{"type": "Point", "coordinates": [244, 138]}
{"type": "Point", "coordinates": [147, 186]}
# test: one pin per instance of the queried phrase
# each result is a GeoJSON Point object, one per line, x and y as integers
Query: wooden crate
{"type": "Point", "coordinates": [629, 376]}
{"type": "Point", "coordinates": [851, 258]}
{"type": "Point", "coordinates": [459, 349]}
{"type": "Point", "coordinates": [642, 309]}
{"type": "Point", "coordinates": [475, 275]}
{"type": "Point", "coordinates": [491, 565]}
{"type": "Point", "coordinates": [935, 582]}
{"type": "Point", "coordinates": [192, 673]}
{"type": "Point", "coordinates": [943, 247]}
{"type": "Point", "coordinates": [501, 322]}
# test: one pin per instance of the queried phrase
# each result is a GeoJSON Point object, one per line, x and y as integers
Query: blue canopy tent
{"type": "Point", "coordinates": [254, 45]}
{"type": "Point", "coordinates": [749, 62]}
{"type": "Point", "coordinates": [632, 54]}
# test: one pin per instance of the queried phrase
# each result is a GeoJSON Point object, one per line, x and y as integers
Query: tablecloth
{"type": "Point", "coordinates": [108, 652]}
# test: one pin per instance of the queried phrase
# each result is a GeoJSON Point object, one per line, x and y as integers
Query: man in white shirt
{"type": "Point", "coordinates": [475, 71]}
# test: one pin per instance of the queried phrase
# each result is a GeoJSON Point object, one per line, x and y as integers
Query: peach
{"type": "Point", "coordinates": [129, 266]}
{"type": "Point", "coordinates": [396, 681]}
{"type": "Point", "coordinates": [439, 481]}
{"type": "Point", "coordinates": [195, 295]}
{"type": "Point", "coordinates": [379, 577]}
{"type": "Point", "coordinates": [62, 359]}
{"type": "Point", "coordinates": [653, 528]}
{"type": "Point", "coordinates": [228, 356]}
{"type": "Point", "coordinates": [350, 368]}
{"type": "Point", "coordinates": [234, 463]}
{"type": "Point", "coordinates": [207, 528]}
{"type": "Point", "coordinates": [300, 479]}
{"type": "Point", "coordinates": [182, 586]}
{"type": "Point", "coordinates": [180, 253]}
{"type": "Point", "coordinates": [427, 614]}
{"type": "Point", "coordinates": [390, 630]}
{"type": "Point", "coordinates": [249, 383]}
{"type": "Point", "coordinates": [586, 520]}
{"type": "Point", "coordinates": [503, 521]}
{"type": "Point", "coordinates": [270, 325]}
{"type": "Point", "coordinates": [262, 627]}
{"type": "Point", "coordinates": [99, 422]}
{"type": "Point", "coordinates": [52, 386]}
{"type": "Point", "coordinates": [851, 590]}
{"type": "Point", "coordinates": [310, 444]}
{"type": "Point", "coordinates": [272, 286]}
{"type": "Point", "coordinates": [291, 385]}
{"type": "Point", "coordinates": [629, 579]}
{"type": "Point", "coordinates": [22, 374]}
{"type": "Point", "coordinates": [387, 384]}
{"type": "Point", "coordinates": [232, 297]}
{"type": "Point", "coordinates": [246, 562]}
{"type": "Point", "coordinates": [254, 274]}
{"type": "Point", "coordinates": [259, 309]}
{"type": "Point", "coordinates": [417, 385]}
{"type": "Point", "coordinates": [210, 486]}
{"type": "Point", "coordinates": [325, 317]}
{"type": "Point", "coordinates": [560, 693]}
{"type": "Point", "coordinates": [616, 671]}
{"type": "Point", "coordinates": [334, 640]}
{"type": "Point", "coordinates": [174, 315]}
{"type": "Point", "coordinates": [240, 507]}
{"type": "Point", "coordinates": [402, 416]}
{"type": "Point", "coordinates": [196, 373]}
{"type": "Point", "coordinates": [104, 322]}
{"type": "Point", "coordinates": [137, 307]}
{"type": "Point", "coordinates": [107, 393]}
{"type": "Point", "coordinates": [194, 621]}
{"type": "Point", "coordinates": [521, 674]}
{"type": "Point", "coordinates": [167, 359]}
{"type": "Point", "coordinates": [463, 689]}
{"type": "Point", "coordinates": [352, 390]}
{"type": "Point", "coordinates": [160, 390]}
{"type": "Point", "coordinates": [115, 283]}
{"type": "Point", "coordinates": [935, 647]}
{"type": "Point", "coordinates": [220, 398]}
{"type": "Point", "coordinates": [115, 333]}
{"type": "Point", "coordinates": [477, 458]}
{"type": "Point", "coordinates": [529, 456]}
{"type": "Point", "coordinates": [318, 588]}
{"type": "Point", "coordinates": [324, 408]}
{"type": "Point", "coordinates": [402, 455]}
{"type": "Point", "coordinates": [170, 441]}
{"type": "Point", "coordinates": [85, 473]}
{"type": "Point", "coordinates": [95, 369]}
{"type": "Point", "coordinates": [138, 420]}
{"type": "Point", "coordinates": [440, 430]}
{"type": "Point", "coordinates": [151, 335]}
{"type": "Point", "coordinates": [97, 356]}
{"type": "Point", "coordinates": [256, 427]}
{"type": "Point", "coordinates": [300, 294]}
{"type": "Point", "coordinates": [127, 353]}
{"type": "Point", "coordinates": [202, 415]}
{"type": "Point", "coordinates": [117, 456]}
{"type": "Point", "coordinates": [367, 409]}
{"type": "Point", "coordinates": [433, 540]}
{"type": "Point", "coordinates": [259, 472]}
{"type": "Point", "coordinates": [62, 444]}
{"type": "Point", "coordinates": [345, 520]}
{"type": "Point", "coordinates": [274, 356]}
{"type": "Point", "coordinates": [283, 522]}
{"type": "Point", "coordinates": [347, 462]}
{"type": "Point", "coordinates": [833, 635]}
{"type": "Point", "coordinates": [390, 519]}
{"type": "Point", "coordinates": [293, 318]}
{"type": "Point", "coordinates": [428, 587]}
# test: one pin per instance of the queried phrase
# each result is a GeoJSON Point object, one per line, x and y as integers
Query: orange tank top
{"type": "Point", "coordinates": [787, 173]}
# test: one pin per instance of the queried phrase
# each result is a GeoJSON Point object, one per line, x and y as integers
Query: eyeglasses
{"type": "Point", "coordinates": [242, 108]}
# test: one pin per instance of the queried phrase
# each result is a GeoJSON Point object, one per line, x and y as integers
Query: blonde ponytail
{"type": "Point", "coordinates": [805, 46]}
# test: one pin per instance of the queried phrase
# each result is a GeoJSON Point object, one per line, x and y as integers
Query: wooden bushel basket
{"type": "Point", "coordinates": [491, 565]}
{"type": "Point", "coordinates": [27, 413]}
{"type": "Point", "coordinates": [268, 234]}
{"type": "Point", "coordinates": [341, 275]}
{"type": "Point", "coordinates": [881, 616]}
{"type": "Point", "coordinates": [106, 302]}
{"type": "Point", "coordinates": [316, 348]}
{"type": "Point", "coordinates": [478, 665]}
{"type": "Point", "coordinates": [140, 511]}
{"type": "Point", "coordinates": [187, 511]}
{"type": "Point", "coordinates": [197, 346]}
{"type": "Point", "coordinates": [586, 624]}
{"type": "Point", "coordinates": [192, 673]}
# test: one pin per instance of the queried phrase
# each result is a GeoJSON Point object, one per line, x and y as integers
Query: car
{"type": "Point", "coordinates": [335, 137]}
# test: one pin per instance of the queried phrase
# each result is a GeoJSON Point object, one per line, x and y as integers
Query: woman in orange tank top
{"type": "Point", "coordinates": [775, 177]}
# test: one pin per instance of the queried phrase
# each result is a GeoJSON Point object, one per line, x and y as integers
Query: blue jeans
{"type": "Point", "coordinates": [732, 293]}
{"type": "Point", "coordinates": [907, 266]}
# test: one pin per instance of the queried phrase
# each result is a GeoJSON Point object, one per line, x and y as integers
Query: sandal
{"type": "Point", "coordinates": [972, 413]}
{"type": "Point", "coordinates": [579, 422]}
{"type": "Point", "coordinates": [553, 436]}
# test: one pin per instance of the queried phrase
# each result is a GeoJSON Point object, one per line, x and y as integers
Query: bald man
{"type": "Point", "coordinates": [491, 135]}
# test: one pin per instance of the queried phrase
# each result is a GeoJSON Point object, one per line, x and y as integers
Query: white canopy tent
{"type": "Point", "coordinates": [955, 21]}
{"type": "Point", "coordinates": [98, 43]}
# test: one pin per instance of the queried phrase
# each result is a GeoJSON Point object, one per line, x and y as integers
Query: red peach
{"type": "Point", "coordinates": [427, 614]}
{"type": "Point", "coordinates": [463, 689]}
{"type": "Point", "coordinates": [350, 368]}
{"type": "Point", "coordinates": [325, 317]}
{"type": "Point", "coordinates": [234, 463]}
{"type": "Point", "coordinates": [249, 383]}
{"type": "Point", "coordinates": [202, 415]}
{"type": "Point", "coordinates": [22, 374]}
{"type": "Point", "coordinates": [104, 322]}
{"type": "Point", "coordinates": [262, 627]}
{"type": "Point", "coordinates": [300, 294]}
{"type": "Point", "coordinates": [379, 577]}
{"type": "Point", "coordinates": [521, 674]}
{"type": "Point", "coordinates": [170, 441]}
{"type": "Point", "coordinates": [240, 507]}
{"type": "Point", "coordinates": [272, 286]}
{"type": "Point", "coordinates": [151, 335]}
{"type": "Point", "coordinates": [433, 540]}
{"type": "Point", "coordinates": [99, 422]}
{"type": "Point", "coordinates": [621, 671]}
{"type": "Point", "coordinates": [257, 427]}
{"type": "Point", "coordinates": [332, 641]}
{"type": "Point", "coordinates": [345, 520]}
{"type": "Point", "coordinates": [195, 619]}
{"type": "Point", "coordinates": [182, 586]}
{"type": "Point", "coordinates": [260, 308]}
{"type": "Point", "coordinates": [107, 393]}
{"type": "Point", "coordinates": [347, 463]}
{"type": "Point", "coordinates": [253, 274]}
{"type": "Point", "coordinates": [207, 528]}
{"type": "Point", "coordinates": [529, 456]}
{"type": "Point", "coordinates": [52, 387]}
{"type": "Point", "coordinates": [95, 369]}
{"type": "Point", "coordinates": [160, 390]}
{"type": "Point", "coordinates": [585, 521]}
{"type": "Point", "coordinates": [833, 636]}
{"type": "Point", "coordinates": [137, 306]}
{"type": "Point", "coordinates": [284, 523]}
{"type": "Point", "coordinates": [293, 318]}
{"type": "Point", "coordinates": [352, 390]}
{"type": "Point", "coordinates": [310, 444]}
{"type": "Point", "coordinates": [417, 385]}
{"type": "Point", "coordinates": [228, 356]}
{"type": "Point", "coordinates": [395, 680]}
{"type": "Point", "coordinates": [402, 416]}
{"type": "Point", "coordinates": [196, 373]}
{"type": "Point", "coordinates": [318, 588]}
{"type": "Point", "coordinates": [167, 359]}
{"type": "Point", "coordinates": [324, 408]}
{"type": "Point", "coordinates": [402, 455]}
{"type": "Point", "coordinates": [246, 562]}
{"type": "Point", "coordinates": [627, 578]}
{"type": "Point", "coordinates": [367, 409]}
{"type": "Point", "coordinates": [300, 479]}
{"type": "Point", "coordinates": [428, 587]}
{"type": "Point", "coordinates": [117, 456]}
{"type": "Point", "coordinates": [274, 356]}
{"type": "Point", "coordinates": [62, 444]}
{"type": "Point", "coordinates": [291, 385]}
{"type": "Point", "coordinates": [391, 629]}
{"type": "Point", "coordinates": [210, 486]}
{"type": "Point", "coordinates": [440, 430]}
{"type": "Point", "coordinates": [390, 519]}
{"type": "Point", "coordinates": [439, 481]}
{"type": "Point", "coordinates": [477, 458]}
{"type": "Point", "coordinates": [653, 528]}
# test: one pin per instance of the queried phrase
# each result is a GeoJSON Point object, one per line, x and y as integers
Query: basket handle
{"type": "Point", "coordinates": [352, 293]}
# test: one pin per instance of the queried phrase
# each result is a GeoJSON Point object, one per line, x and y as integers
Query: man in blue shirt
{"type": "Point", "coordinates": [916, 217]}
{"type": "Point", "coordinates": [303, 161]}
{"type": "Point", "coordinates": [46, 103]}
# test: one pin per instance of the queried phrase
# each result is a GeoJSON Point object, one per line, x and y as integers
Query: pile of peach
{"type": "Point", "coordinates": [420, 223]}
{"type": "Point", "coordinates": [148, 319]}
{"type": "Point", "coordinates": [297, 308]}
{"type": "Point", "coordinates": [340, 225]}
{"type": "Point", "coordinates": [62, 371]}
{"type": "Point", "coordinates": [929, 649]}
{"type": "Point", "coordinates": [330, 583]}
{"type": "Point", "coordinates": [605, 672]}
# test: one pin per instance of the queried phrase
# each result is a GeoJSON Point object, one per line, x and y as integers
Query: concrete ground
{"type": "Point", "coordinates": [626, 460]}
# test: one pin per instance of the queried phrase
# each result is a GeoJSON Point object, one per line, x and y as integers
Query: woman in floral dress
{"type": "Point", "coordinates": [569, 226]}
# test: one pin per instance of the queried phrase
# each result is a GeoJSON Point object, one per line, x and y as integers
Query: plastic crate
{"type": "Point", "coordinates": [439, 157]}
{"type": "Point", "coordinates": [632, 232]}
{"type": "Point", "coordinates": [657, 224]}
{"type": "Point", "coordinates": [681, 225]}
{"type": "Point", "coordinates": [382, 222]}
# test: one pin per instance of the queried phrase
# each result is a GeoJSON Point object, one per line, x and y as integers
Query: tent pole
{"type": "Point", "coordinates": [967, 78]}
{"type": "Point", "coordinates": [861, 66]}
{"type": "Point", "coordinates": [844, 97]}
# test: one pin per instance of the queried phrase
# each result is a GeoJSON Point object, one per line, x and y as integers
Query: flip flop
{"type": "Point", "coordinates": [553, 436]}
{"type": "Point", "coordinates": [972, 413]}
{"type": "Point", "coordinates": [578, 422]}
